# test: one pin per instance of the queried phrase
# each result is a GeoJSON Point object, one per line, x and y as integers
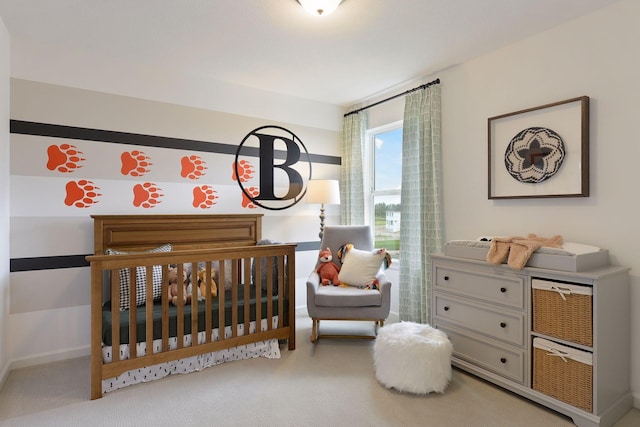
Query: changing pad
{"type": "Point", "coordinates": [572, 256]}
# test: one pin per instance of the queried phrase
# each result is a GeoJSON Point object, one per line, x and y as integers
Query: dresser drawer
{"type": "Point", "coordinates": [503, 361]}
{"type": "Point", "coordinates": [507, 290]}
{"type": "Point", "coordinates": [500, 324]}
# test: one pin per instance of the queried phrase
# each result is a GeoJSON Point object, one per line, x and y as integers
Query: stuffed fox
{"type": "Point", "coordinates": [327, 270]}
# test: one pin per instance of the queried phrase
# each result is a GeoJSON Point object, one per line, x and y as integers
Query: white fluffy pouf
{"type": "Point", "coordinates": [412, 357]}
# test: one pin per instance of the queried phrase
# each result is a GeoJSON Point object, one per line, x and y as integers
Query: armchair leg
{"type": "Point", "coordinates": [379, 324]}
{"type": "Point", "coordinates": [315, 330]}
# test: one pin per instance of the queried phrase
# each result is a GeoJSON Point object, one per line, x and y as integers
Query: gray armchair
{"type": "Point", "coordinates": [347, 303]}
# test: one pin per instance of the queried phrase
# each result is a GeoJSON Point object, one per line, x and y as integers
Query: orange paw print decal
{"type": "Point", "coordinates": [245, 171]}
{"type": "Point", "coordinates": [135, 163]}
{"type": "Point", "coordinates": [204, 197]}
{"type": "Point", "coordinates": [64, 158]}
{"type": "Point", "coordinates": [193, 167]}
{"type": "Point", "coordinates": [146, 195]}
{"type": "Point", "coordinates": [81, 193]}
{"type": "Point", "coordinates": [246, 202]}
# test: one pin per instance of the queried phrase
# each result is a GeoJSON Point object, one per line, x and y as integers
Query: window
{"type": "Point", "coordinates": [383, 178]}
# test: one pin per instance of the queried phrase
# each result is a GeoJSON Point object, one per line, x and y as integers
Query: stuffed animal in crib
{"type": "Point", "coordinates": [202, 282]}
{"type": "Point", "coordinates": [190, 292]}
{"type": "Point", "coordinates": [327, 270]}
{"type": "Point", "coordinates": [173, 286]}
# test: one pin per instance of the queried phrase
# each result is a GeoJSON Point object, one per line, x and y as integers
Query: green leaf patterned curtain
{"type": "Point", "coordinates": [421, 209]}
{"type": "Point", "coordinates": [351, 173]}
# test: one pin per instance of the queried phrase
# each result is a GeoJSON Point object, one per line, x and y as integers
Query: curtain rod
{"type": "Point", "coordinates": [435, 82]}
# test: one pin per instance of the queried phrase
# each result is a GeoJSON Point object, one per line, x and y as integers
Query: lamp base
{"type": "Point", "coordinates": [321, 221]}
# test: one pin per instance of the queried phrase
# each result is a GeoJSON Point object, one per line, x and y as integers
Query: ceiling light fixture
{"type": "Point", "coordinates": [320, 7]}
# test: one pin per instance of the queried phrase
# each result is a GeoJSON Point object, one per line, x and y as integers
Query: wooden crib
{"type": "Point", "coordinates": [255, 298]}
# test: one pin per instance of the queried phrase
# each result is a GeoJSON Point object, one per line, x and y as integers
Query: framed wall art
{"type": "Point", "coordinates": [540, 152]}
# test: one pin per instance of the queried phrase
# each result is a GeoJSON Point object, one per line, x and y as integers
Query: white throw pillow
{"type": "Point", "coordinates": [359, 268]}
{"type": "Point", "coordinates": [141, 275]}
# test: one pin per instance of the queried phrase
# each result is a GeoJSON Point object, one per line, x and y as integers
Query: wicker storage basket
{"type": "Point", "coordinates": [563, 311]}
{"type": "Point", "coordinates": [563, 373]}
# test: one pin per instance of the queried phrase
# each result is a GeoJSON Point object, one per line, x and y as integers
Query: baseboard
{"type": "Point", "coordinates": [636, 400]}
{"type": "Point", "coordinates": [42, 359]}
{"type": "Point", "coordinates": [393, 318]}
{"type": "Point", "coordinates": [4, 374]}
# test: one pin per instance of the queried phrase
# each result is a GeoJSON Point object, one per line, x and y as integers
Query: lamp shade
{"type": "Point", "coordinates": [323, 191]}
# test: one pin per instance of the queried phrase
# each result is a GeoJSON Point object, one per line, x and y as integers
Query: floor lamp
{"type": "Point", "coordinates": [323, 192]}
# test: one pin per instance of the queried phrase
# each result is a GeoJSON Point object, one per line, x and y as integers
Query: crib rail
{"type": "Point", "coordinates": [238, 297]}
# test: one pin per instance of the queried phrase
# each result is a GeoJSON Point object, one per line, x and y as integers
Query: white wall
{"type": "Point", "coordinates": [37, 317]}
{"type": "Point", "coordinates": [596, 56]}
{"type": "Point", "coordinates": [4, 201]}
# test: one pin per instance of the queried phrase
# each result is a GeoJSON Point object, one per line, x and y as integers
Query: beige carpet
{"type": "Point", "coordinates": [331, 383]}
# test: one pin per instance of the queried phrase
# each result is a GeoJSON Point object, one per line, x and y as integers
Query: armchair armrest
{"type": "Point", "coordinates": [312, 284]}
{"type": "Point", "coordinates": [313, 279]}
{"type": "Point", "coordinates": [385, 284]}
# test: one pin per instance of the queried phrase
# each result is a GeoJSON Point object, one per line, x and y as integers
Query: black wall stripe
{"type": "Point", "coordinates": [22, 127]}
{"type": "Point", "coordinates": [47, 263]}
{"type": "Point", "coordinates": [75, 261]}
{"type": "Point", "coordinates": [307, 246]}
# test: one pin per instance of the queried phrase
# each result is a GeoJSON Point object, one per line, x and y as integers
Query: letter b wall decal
{"type": "Point", "coordinates": [283, 170]}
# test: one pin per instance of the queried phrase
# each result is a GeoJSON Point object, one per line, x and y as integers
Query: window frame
{"type": "Point", "coordinates": [369, 171]}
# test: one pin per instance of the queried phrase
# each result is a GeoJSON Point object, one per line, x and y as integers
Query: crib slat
{"type": "Point", "coordinates": [133, 303]}
{"type": "Point", "coordinates": [194, 304]}
{"type": "Point", "coordinates": [165, 308]}
{"type": "Point", "coordinates": [247, 294]}
{"type": "Point", "coordinates": [149, 310]}
{"type": "Point", "coordinates": [269, 293]}
{"type": "Point", "coordinates": [234, 300]}
{"type": "Point", "coordinates": [180, 304]}
{"type": "Point", "coordinates": [221, 300]}
{"type": "Point", "coordinates": [208, 302]}
{"type": "Point", "coordinates": [115, 316]}
{"type": "Point", "coordinates": [281, 291]}
{"type": "Point", "coordinates": [258, 285]}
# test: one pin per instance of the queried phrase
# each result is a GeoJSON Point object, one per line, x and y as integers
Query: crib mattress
{"type": "Point", "coordinates": [173, 312]}
{"type": "Point", "coordinates": [572, 256]}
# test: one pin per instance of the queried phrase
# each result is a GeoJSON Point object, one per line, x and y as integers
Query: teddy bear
{"type": "Point", "coordinates": [327, 270]}
{"type": "Point", "coordinates": [202, 282]}
{"type": "Point", "coordinates": [173, 286]}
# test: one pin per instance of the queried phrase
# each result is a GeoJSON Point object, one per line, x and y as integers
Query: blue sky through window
{"type": "Point", "coordinates": [388, 160]}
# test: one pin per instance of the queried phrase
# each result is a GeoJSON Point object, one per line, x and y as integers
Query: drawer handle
{"type": "Point", "coordinates": [446, 308]}
{"type": "Point", "coordinates": [503, 325]}
{"type": "Point", "coordinates": [503, 290]}
{"type": "Point", "coordinates": [446, 278]}
{"type": "Point", "coordinates": [503, 360]}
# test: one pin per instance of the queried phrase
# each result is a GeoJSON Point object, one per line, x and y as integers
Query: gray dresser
{"type": "Point", "coordinates": [579, 342]}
